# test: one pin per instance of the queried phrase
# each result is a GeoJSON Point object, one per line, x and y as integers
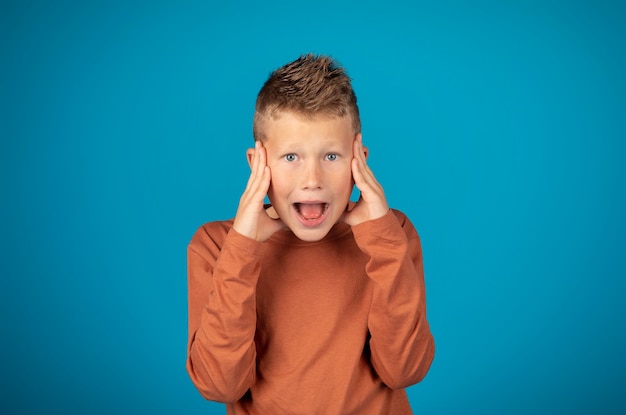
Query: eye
{"type": "Point", "coordinates": [332, 157]}
{"type": "Point", "coordinates": [290, 157]}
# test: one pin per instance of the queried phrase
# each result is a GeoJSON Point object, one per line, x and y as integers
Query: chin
{"type": "Point", "coordinates": [310, 235]}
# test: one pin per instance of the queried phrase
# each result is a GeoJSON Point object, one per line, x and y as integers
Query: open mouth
{"type": "Point", "coordinates": [311, 212]}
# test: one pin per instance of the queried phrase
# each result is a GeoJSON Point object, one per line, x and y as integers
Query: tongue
{"type": "Point", "coordinates": [311, 210]}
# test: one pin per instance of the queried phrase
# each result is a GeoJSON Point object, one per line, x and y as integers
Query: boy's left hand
{"type": "Point", "coordinates": [372, 204]}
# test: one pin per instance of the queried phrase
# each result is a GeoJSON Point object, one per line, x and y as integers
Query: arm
{"type": "Point", "coordinates": [222, 292]}
{"type": "Point", "coordinates": [221, 353]}
{"type": "Point", "coordinates": [401, 344]}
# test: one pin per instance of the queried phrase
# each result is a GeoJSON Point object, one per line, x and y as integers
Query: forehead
{"type": "Point", "coordinates": [286, 128]}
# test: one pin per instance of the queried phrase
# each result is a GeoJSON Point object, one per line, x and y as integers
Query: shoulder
{"type": "Point", "coordinates": [405, 223]}
{"type": "Point", "coordinates": [210, 235]}
{"type": "Point", "coordinates": [400, 216]}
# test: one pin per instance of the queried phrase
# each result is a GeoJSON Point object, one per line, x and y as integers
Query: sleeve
{"type": "Point", "coordinates": [221, 353]}
{"type": "Point", "coordinates": [401, 344]}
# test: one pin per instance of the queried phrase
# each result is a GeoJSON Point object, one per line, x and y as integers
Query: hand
{"type": "Point", "coordinates": [252, 220]}
{"type": "Point", "coordinates": [372, 203]}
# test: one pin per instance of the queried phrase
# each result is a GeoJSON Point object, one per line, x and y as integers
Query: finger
{"type": "Point", "coordinates": [264, 170]}
{"type": "Point", "coordinates": [261, 160]}
{"type": "Point", "coordinates": [357, 173]}
{"type": "Point", "coordinates": [259, 165]}
{"type": "Point", "coordinates": [253, 166]}
{"type": "Point", "coordinates": [262, 154]}
{"type": "Point", "coordinates": [260, 186]}
{"type": "Point", "coordinates": [265, 183]}
{"type": "Point", "coordinates": [362, 174]}
{"type": "Point", "coordinates": [364, 179]}
{"type": "Point", "coordinates": [359, 154]}
{"type": "Point", "coordinates": [367, 172]}
{"type": "Point", "coordinates": [260, 173]}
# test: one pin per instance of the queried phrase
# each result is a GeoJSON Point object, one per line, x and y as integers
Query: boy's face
{"type": "Point", "coordinates": [311, 175]}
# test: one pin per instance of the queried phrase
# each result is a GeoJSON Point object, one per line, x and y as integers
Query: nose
{"type": "Point", "coordinates": [312, 176]}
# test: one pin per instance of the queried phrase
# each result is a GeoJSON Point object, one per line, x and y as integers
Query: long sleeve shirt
{"type": "Point", "coordinates": [285, 326]}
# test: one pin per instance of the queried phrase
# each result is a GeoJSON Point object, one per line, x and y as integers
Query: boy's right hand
{"type": "Point", "coordinates": [252, 220]}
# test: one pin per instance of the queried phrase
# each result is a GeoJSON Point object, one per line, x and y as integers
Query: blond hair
{"type": "Point", "coordinates": [309, 86]}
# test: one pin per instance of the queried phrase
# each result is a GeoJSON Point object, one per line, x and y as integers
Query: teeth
{"type": "Point", "coordinates": [311, 211]}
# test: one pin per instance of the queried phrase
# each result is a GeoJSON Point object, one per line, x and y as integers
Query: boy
{"type": "Point", "coordinates": [312, 304]}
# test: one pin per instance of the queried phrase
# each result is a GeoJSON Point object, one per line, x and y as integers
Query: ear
{"type": "Point", "coordinates": [250, 156]}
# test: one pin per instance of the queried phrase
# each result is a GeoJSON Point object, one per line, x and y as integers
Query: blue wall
{"type": "Point", "coordinates": [498, 127]}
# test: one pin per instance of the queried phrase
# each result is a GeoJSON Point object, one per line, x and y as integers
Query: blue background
{"type": "Point", "coordinates": [498, 127]}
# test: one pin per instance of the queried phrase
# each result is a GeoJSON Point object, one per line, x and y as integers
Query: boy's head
{"type": "Point", "coordinates": [308, 120]}
{"type": "Point", "coordinates": [309, 86]}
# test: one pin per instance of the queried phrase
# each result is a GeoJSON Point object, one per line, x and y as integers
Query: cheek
{"type": "Point", "coordinates": [279, 183]}
{"type": "Point", "coordinates": [343, 181]}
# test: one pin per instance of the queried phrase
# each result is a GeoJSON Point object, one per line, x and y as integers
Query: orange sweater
{"type": "Point", "coordinates": [285, 326]}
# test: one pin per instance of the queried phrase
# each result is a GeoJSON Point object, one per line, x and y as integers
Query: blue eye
{"type": "Point", "coordinates": [332, 157]}
{"type": "Point", "coordinates": [290, 157]}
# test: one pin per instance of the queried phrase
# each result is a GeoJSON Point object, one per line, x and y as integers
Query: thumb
{"type": "Point", "coordinates": [270, 225]}
{"type": "Point", "coordinates": [277, 224]}
{"type": "Point", "coordinates": [347, 214]}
